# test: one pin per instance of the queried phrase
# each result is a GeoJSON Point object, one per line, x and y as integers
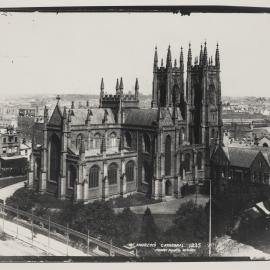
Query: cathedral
{"type": "Point", "coordinates": [118, 148]}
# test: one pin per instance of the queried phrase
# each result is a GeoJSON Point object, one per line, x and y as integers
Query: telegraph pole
{"type": "Point", "coordinates": [210, 218]}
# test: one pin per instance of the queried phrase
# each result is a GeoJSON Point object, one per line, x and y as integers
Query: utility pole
{"type": "Point", "coordinates": [32, 225]}
{"type": "Point", "coordinates": [210, 220]}
{"type": "Point", "coordinates": [49, 233]}
{"type": "Point", "coordinates": [88, 242]}
{"type": "Point", "coordinates": [17, 222]}
{"type": "Point", "coordinates": [67, 239]}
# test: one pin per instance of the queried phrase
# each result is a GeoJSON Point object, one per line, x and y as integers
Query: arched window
{"type": "Point", "coordinates": [130, 171]}
{"type": "Point", "coordinates": [112, 174]}
{"type": "Point", "coordinates": [128, 140]}
{"type": "Point", "coordinates": [147, 143]}
{"type": "Point", "coordinates": [55, 148]}
{"type": "Point", "coordinates": [94, 176]}
{"type": "Point", "coordinates": [213, 134]}
{"type": "Point", "coordinates": [97, 141]}
{"type": "Point", "coordinates": [168, 156]}
{"type": "Point", "coordinates": [182, 136]}
{"type": "Point", "coordinates": [112, 142]}
{"type": "Point", "coordinates": [187, 162]}
{"type": "Point", "coordinates": [199, 160]}
{"type": "Point", "coordinates": [79, 141]}
{"type": "Point", "coordinates": [265, 145]}
{"type": "Point", "coordinates": [72, 176]}
{"type": "Point", "coordinates": [146, 173]}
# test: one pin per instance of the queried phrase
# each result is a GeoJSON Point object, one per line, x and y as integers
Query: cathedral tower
{"type": "Point", "coordinates": [203, 92]}
{"type": "Point", "coordinates": [168, 83]}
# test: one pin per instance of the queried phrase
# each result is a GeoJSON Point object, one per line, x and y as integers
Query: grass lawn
{"type": "Point", "coordinates": [132, 200]}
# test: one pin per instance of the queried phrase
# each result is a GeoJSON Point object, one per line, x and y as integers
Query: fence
{"type": "Point", "coordinates": [60, 233]}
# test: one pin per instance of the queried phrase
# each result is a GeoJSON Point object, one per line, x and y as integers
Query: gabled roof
{"type": "Point", "coordinates": [242, 157]}
{"type": "Point", "coordinates": [141, 117]}
{"type": "Point", "coordinates": [79, 116]}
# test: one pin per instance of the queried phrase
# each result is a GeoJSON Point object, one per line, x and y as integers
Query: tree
{"type": "Point", "coordinates": [149, 230]}
{"type": "Point", "coordinates": [23, 198]}
{"type": "Point", "coordinates": [190, 224]}
{"type": "Point", "coordinates": [128, 226]}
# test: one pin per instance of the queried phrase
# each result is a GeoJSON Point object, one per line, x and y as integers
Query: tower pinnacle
{"type": "Point", "coordinates": [217, 62]}
{"type": "Point", "coordinates": [189, 61]}
{"type": "Point", "coordinates": [169, 57]}
{"type": "Point", "coordinates": [136, 88]}
{"type": "Point", "coordinates": [155, 58]}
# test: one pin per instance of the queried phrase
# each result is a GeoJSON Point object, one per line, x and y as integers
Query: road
{"type": "Point", "coordinates": [9, 190]}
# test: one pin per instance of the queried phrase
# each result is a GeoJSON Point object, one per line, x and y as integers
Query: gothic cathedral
{"type": "Point", "coordinates": [116, 149]}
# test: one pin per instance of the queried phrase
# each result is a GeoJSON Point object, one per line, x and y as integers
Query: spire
{"type": "Point", "coordinates": [156, 58]}
{"type": "Point", "coordinates": [205, 54]}
{"type": "Point", "coordinates": [102, 87]}
{"type": "Point", "coordinates": [136, 88]}
{"type": "Point", "coordinates": [87, 103]}
{"type": "Point", "coordinates": [121, 86]}
{"type": "Point", "coordinates": [189, 61]}
{"type": "Point", "coordinates": [117, 87]}
{"type": "Point", "coordinates": [201, 55]}
{"type": "Point", "coordinates": [72, 104]}
{"type": "Point", "coordinates": [217, 62]}
{"type": "Point", "coordinates": [88, 117]}
{"type": "Point", "coordinates": [181, 60]}
{"type": "Point", "coordinates": [169, 57]}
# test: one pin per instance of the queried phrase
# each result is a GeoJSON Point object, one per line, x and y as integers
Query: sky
{"type": "Point", "coordinates": [69, 53]}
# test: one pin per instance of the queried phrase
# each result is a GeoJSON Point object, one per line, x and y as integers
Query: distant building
{"type": "Point", "coordinates": [11, 161]}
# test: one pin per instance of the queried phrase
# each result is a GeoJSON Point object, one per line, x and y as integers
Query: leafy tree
{"type": "Point", "coordinates": [149, 230]}
{"type": "Point", "coordinates": [128, 226]}
{"type": "Point", "coordinates": [22, 198]}
{"type": "Point", "coordinates": [190, 224]}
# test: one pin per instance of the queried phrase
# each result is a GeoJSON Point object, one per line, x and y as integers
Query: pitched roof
{"type": "Point", "coordinates": [80, 115]}
{"type": "Point", "coordinates": [242, 157]}
{"type": "Point", "coordinates": [141, 117]}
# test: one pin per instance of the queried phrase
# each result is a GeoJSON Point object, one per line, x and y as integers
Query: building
{"type": "Point", "coordinates": [243, 165]}
{"type": "Point", "coordinates": [118, 148]}
{"type": "Point", "coordinates": [11, 162]}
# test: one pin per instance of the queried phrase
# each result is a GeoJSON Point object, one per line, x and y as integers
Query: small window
{"type": "Point", "coordinates": [10, 139]}
{"type": "Point", "coordinates": [4, 150]}
{"type": "Point", "coordinates": [16, 139]}
{"type": "Point", "coordinates": [4, 140]}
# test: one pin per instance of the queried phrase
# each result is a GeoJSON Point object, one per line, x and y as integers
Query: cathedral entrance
{"type": "Point", "coordinates": [168, 188]}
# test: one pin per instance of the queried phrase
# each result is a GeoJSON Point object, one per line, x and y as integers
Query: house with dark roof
{"type": "Point", "coordinates": [116, 149]}
{"type": "Point", "coordinates": [245, 165]}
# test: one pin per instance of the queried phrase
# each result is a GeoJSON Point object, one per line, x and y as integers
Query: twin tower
{"type": "Point", "coordinates": [198, 97]}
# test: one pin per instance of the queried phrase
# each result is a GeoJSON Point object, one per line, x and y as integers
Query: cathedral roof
{"type": "Point", "coordinates": [79, 116]}
{"type": "Point", "coordinates": [141, 117]}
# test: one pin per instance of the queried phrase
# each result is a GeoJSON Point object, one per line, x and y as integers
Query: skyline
{"type": "Point", "coordinates": [69, 53]}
